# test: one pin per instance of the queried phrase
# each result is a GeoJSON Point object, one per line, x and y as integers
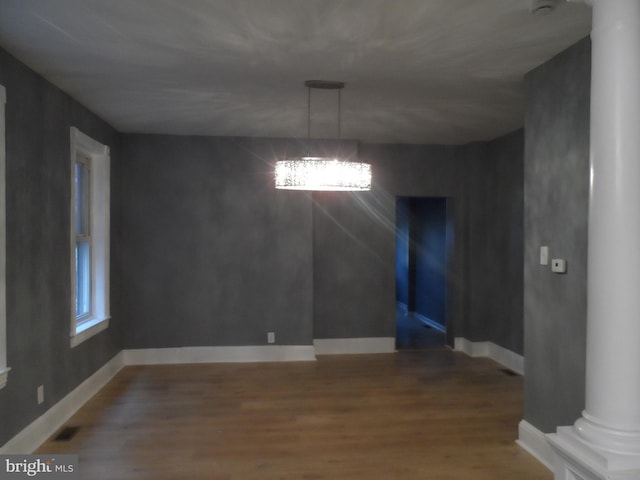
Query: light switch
{"type": "Point", "coordinates": [544, 255]}
{"type": "Point", "coordinates": [559, 265]}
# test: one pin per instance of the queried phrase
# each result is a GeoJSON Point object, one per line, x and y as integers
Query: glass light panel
{"type": "Point", "coordinates": [81, 179]}
{"type": "Point", "coordinates": [318, 173]}
{"type": "Point", "coordinates": [83, 279]}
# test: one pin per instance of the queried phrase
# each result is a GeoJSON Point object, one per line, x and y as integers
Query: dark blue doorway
{"type": "Point", "coordinates": [422, 244]}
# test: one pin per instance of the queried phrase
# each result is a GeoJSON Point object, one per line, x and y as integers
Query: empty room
{"type": "Point", "coordinates": [246, 239]}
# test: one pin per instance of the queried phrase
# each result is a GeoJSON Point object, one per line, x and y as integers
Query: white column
{"type": "Point", "coordinates": [607, 437]}
{"type": "Point", "coordinates": [612, 415]}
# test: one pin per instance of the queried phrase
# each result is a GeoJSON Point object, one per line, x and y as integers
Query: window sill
{"type": "Point", "coordinates": [4, 376]}
{"type": "Point", "coordinates": [88, 330]}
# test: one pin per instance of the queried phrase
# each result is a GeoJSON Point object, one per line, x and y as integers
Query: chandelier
{"type": "Point", "coordinates": [322, 173]}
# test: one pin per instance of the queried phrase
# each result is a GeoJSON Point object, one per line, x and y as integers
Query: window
{"type": "Point", "coordinates": [89, 237]}
{"type": "Point", "coordinates": [4, 369]}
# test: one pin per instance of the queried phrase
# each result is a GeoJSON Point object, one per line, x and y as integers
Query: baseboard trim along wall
{"type": "Point", "coordinates": [46, 425]}
{"type": "Point", "coordinates": [259, 353]}
{"type": "Point", "coordinates": [535, 442]}
{"type": "Point", "coordinates": [341, 346]}
{"type": "Point", "coordinates": [499, 354]}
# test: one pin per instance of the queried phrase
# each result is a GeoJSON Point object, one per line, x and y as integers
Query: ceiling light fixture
{"type": "Point", "coordinates": [322, 173]}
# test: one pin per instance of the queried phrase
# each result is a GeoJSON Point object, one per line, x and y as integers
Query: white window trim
{"type": "Point", "coordinates": [100, 218]}
{"type": "Point", "coordinates": [4, 369]}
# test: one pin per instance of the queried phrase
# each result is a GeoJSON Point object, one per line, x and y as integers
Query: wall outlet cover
{"type": "Point", "coordinates": [544, 255]}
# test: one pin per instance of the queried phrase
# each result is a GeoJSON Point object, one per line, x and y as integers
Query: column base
{"type": "Point", "coordinates": [577, 460]}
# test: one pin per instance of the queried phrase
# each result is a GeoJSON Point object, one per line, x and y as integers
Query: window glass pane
{"type": "Point", "coordinates": [82, 198]}
{"type": "Point", "coordinates": [83, 278]}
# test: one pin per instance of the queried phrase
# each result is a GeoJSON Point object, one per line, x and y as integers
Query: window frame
{"type": "Point", "coordinates": [96, 157]}
{"type": "Point", "coordinates": [83, 237]}
{"type": "Point", "coordinates": [4, 368]}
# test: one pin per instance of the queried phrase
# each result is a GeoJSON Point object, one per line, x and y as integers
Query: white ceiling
{"type": "Point", "coordinates": [417, 71]}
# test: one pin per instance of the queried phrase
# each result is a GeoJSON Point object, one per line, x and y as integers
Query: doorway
{"type": "Point", "coordinates": [423, 242]}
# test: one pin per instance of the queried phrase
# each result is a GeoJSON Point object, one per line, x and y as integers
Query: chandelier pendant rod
{"type": "Point", "coordinates": [308, 113]}
{"type": "Point", "coordinates": [339, 113]}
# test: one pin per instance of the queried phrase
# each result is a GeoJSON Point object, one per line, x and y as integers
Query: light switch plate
{"type": "Point", "coordinates": [544, 255]}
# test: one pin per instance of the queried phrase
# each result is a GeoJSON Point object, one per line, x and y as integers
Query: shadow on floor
{"type": "Point", "coordinates": [412, 334]}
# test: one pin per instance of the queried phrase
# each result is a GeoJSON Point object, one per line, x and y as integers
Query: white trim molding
{"type": "Point", "coordinates": [30, 438]}
{"type": "Point", "coordinates": [260, 353]}
{"type": "Point", "coordinates": [503, 356]}
{"type": "Point", "coordinates": [340, 346]}
{"type": "Point", "coordinates": [576, 459]}
{"type": "Point", "coordinates": [89, 330]}
{"type": "Point", "coordinates": [535, 443]}
{"type": "Point", "coordinates": [98, 162]}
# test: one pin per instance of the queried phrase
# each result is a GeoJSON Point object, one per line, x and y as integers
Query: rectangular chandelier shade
{"type": "Point", "coordinates": [319, 173]}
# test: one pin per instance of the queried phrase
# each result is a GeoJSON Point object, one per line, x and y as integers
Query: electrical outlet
{"type": "Point", "coordinates": [271, 337]}
{"type": "Point", "coordinates": [40, 394]}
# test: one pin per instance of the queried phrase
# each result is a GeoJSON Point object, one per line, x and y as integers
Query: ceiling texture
{"type": "Point", "coordinates": [416, 71]}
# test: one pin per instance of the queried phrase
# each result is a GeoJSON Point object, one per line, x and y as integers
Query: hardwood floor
{"type": "Point", "coordinates": [433, 414]}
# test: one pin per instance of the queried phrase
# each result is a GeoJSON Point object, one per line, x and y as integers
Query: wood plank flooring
{"type": "Point", "coordinates": [433, 414]}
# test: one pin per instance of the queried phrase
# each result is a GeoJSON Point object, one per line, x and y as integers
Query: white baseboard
{"type": "Point", "coordinates": [338, 346]}
{"type": "Point", "coordinates": [44, 426]}
{"type": "Point", "coordinates": [535, 442]}
{"type": "Point", "coordinates": [499, 354]}
{"type": "Point", "coordinates": [260, 353]}
{"type": "Point", "coordinates": [473, 349]}
{"type": "Point", "coordinates": [577, 459]}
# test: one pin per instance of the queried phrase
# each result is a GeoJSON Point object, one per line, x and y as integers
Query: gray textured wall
{"type": "Point", "coordinates": [494, 248]}
{"type": "Point", "coordinates": [215, 256]}
{"type": "Point", "coordinates": [556, 209]}
{"type": "Point", "coordinates": [363, 226]}
{"type": "Point", "coordinates": [213, 253]}
{"type": "Point", "coordinates": [354, 241]}
{"type": "Point", "coordinates": [38, 117]}
{"type": "Point", "coordinates": [354, 264]}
